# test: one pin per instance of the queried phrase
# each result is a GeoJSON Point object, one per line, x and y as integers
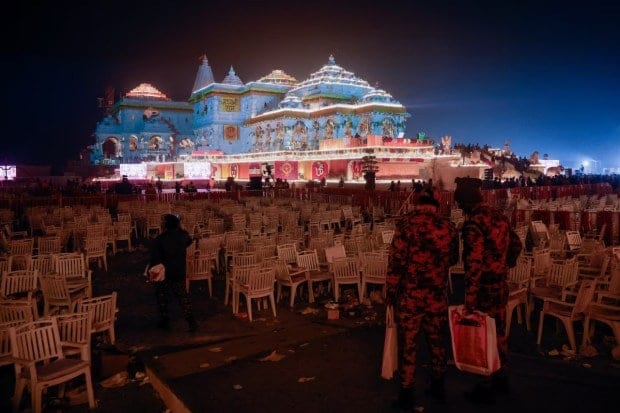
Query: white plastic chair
{"type": "Point", "coordinates": [256, 284]}
{"type": "Point", "coordinates": [103, 310]}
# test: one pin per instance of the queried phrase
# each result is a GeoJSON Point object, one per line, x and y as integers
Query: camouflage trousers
{"type": "Point", "coordinates": [178, 289]}
{"type": "Point", "coordinates": [432, 318]}
{"type": "Point", "coordinates": [493, 300]}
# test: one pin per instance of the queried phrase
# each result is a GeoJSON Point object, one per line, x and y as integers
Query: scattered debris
{"type": "Point", "coordinates": [274, 356]}
{"type": "Point", "coordinates": [204, 365]}
{"type": "Point", "coordinates": [215, 349]}
{"type": "Point", "coordinates": [305, 379]}
{"type": "Point", "coordinates": [118, 380]}
{"type": "Point", "coordinates": [231, 358]}
{"type": "Point", "coordinates": [303, 344]}
{"type": "Point", "coordinates": [587, 365]}
{"type": "Point", "coordinates": [553, 352]}
{"type": "Point", "coordinates": [237, 386]}
{"type": "Point", "coordinates": [309, 310]}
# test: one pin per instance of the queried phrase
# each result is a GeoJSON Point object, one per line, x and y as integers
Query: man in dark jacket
{"type": "Point", "coordinates": [169, 249]}
{"type": "Point", "coordinates": [490, 248]}
{"type": "Point", "coordinates": [424, 246]}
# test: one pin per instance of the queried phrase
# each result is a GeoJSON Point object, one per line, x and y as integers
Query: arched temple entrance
{"type": "Point", "coordinates": [111, 148]}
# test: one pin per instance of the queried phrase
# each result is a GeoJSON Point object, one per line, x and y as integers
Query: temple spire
{"type": "Point", "coordinates": [204, 77]}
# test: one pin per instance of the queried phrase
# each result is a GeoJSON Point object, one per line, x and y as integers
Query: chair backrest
{"type": "Point", "coordinates": [241, 273]}
{"type": "Point", "coordinates": [200, 266]}
{"type": "Point", "coordinates": [287, 252]}
{"type": "Point", "coordinates": [5, 341]}
{"type": "Point", "coordinates": [19, 281]}
{"type": "Point", "coordinates": [520, 273]}
{"type": "Point", "coordinates": [43, 263]}
{"type": "Point", "coordinates": [540, 233]}
{"type": "Point", "coordinates": [36, 341]}
{"type": "Point", "coordinates": [346, 268]}
{"type": "Point", "coordinates": [102, 309]}
{"type": "Point", "coordinates": [337, 251]}
{"type": "Point", "coordinates": [16, 311]}
{"type": "Point", "coordinates": [309, 260]}
{"type": "Point", "coordinates": [375, 268]}
{"type": "Point", "coordinates": [243, 258]}
{"type": "Point", "coordinates": [585, 295]}
{"type": "Point", "coordinates": [74, 327]}
{"type": "Point", "coordinates": [282, 270]}
{"type": "Point", "coordinates": [573, 240]}
{"type": "Point", "coordinates": [262, 280]}
{"type": "Point", "coordinates": [49, 245]}
{"type": "Point", "coordinates": [22, 246]}
{"type": "Point", "coordinates": [5, 263]}
{"type": "Point", "coordinates": [542, 261]}
{"type": "Point", "coordinates": [563, 272]}
{"type": "Point", "coordinates": [70, 265]}
{"type": "Point", "coordinates": [55, 290]}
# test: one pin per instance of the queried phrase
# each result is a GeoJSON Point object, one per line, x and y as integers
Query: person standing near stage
{"type": "Point", "coordinates": [490, 248]}
{"type": "Point", "coordinates": [424, 246]}
{"type": "Point", "coordinates": [170, 249]}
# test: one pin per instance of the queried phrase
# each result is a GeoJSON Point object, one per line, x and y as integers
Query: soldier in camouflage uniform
{"type": "Point", "coordinates": [490, 248]}
{"type": "Point", "coordinates": [424, 246]}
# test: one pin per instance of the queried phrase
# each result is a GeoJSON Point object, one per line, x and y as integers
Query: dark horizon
{"type": "Point", "coordinates": [541, 74]}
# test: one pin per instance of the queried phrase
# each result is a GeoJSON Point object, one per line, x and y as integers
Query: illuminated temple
{"type": "Point", "coordinates": [317, 128]}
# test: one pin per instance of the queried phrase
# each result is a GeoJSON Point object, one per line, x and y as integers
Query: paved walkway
{"type": "Point", "coordinates": [301, 361]}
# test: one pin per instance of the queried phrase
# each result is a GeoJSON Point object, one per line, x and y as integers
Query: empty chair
{"type": "Point", "coordinates": [58, 296]}
{"type": "Point", "coordinates": [518, 285]}
{"type": "Point", "coordinates": [73, 267]}
{"type": "Point", "coordinates": [256, 284]}
{"type": "Point", "coordinates": [19, 283]}
{"type": "Point", "coordinates": [6, 354]}
{"type": "Point", "coordinates": [285, 277]}
{"type": "Point", "coordinates": [97, 248]}
{"type": "Point", "coordinates": [122, 233]}
{"type": "Point", "coordinates": [74, 330]}
{"type": "Point", "coordinates": [49, 245]}
{"type": "Point", "coordinates": [573, 240]}
{"type": "Point", "coordinates": [200, 267]}
{"type": "Point", "coordinates": [103, 312]}
{"type": "Point", "coordinates": [374, 271]}
{"type": "Point", "coordinates": [18, 311]}
{"type": "Point", "coordinates": [43, 263]}
{"type": "Point", "coordinates": [288, 252]}
{"type": "Point", "coordinates": [40, 361]}
{"type": "Point", "coordinates": [568, 313]}
{"type": "Point", "coordinates": [346, 271]}
{"type": "Point", "coordinates": [309, 260]}
{"type": "Point", "coordinates": [237, 272]}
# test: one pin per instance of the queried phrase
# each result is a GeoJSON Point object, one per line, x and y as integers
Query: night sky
{"type": "Point", "coordinates": [544, 75]}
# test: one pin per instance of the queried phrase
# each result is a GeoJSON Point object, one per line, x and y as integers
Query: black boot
{"type": "Point", "coordinates": [405, 401]}
{"type": "Point", "coordinates": [500, 382]}
{"type": "Point", "coordinates": [482, 393]}
{"type": "Point", "coordinates": [437, 389]}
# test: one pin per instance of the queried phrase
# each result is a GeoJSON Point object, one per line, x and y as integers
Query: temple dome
{"type": "Point", "coordinates": [291, 101]}
{"type": "Point", "coordinates": [377, 95]}
{"type": "Point", "coordinates": [232, 78]}
{"type": "Point", "coordinates": [279, 77]}
{"type": "Point", "coordinates": [146, 91]}
{"type": "Point", "coordinates": [205, 75]}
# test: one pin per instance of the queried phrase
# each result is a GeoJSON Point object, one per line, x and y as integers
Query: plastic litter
{"type": "Point", "coordinates": [117, 380]}
{"type": "Point", "coordinates": [305, 379]}
{"type": "Point", "coordinates": [237, 386]}
{"type": "Point", "coordinates": [274, 356]}
{"type": "Point", "coordinates": [215, 349]}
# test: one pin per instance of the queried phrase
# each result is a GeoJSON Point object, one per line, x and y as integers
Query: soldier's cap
{"type": "Point", "coordinates": [468, 190]}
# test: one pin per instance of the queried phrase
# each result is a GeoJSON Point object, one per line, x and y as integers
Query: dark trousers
{"type": "Point", "coordinates": [178, 289]}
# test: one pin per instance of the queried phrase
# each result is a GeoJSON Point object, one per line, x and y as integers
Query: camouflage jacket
{"type": "Point", "coordinates": [490, 247]}
{"type": "Point", "coordinates": [423, 247]}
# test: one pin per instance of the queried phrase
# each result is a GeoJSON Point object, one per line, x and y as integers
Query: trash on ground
{"type": "Point", "coordinates": [231, 358]}
{"type": "Point", "coordinates": [274, 356]}
{"type": "Point", "coordinates": [215, 349]}
{"type": "Point", "coordinates": [204, 365]}
{"type": "Point", "coordinates": [588, 351]}
{"type": "Point", "coordinates": [303, 344]}
{"type": "Point", "coordinates": [237, 386]}
{"type": "Point", "coordinates": [118, 380]}
{"type": "Point", "coordinates": [553, 352]}
{"type": "Point", "coordinates": [305, 379]}
{"type": "Point", "coordinates": [309, 310]}
{"type": "Point", "coordinates": [587, 365]}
